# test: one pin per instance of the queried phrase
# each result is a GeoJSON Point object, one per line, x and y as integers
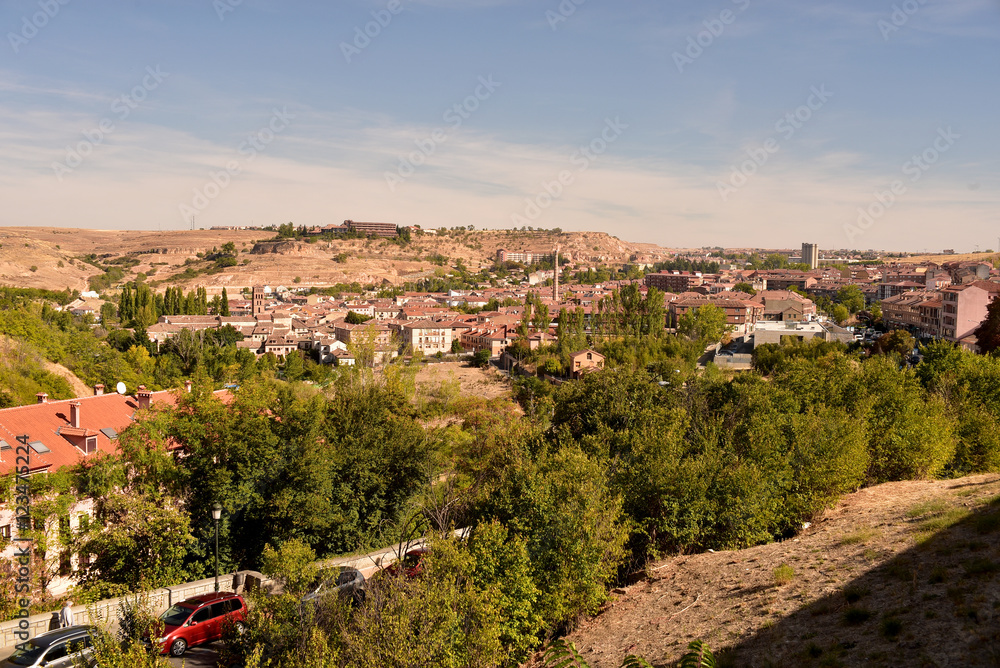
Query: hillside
{"type": "Point", "coordinates": [31, 257]}
{"type": "Point", "coordinates": [904, 574]}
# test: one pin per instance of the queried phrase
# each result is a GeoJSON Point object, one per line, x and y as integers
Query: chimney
{"type": "Point", "coordinates": [143, 397]}
{"type": "Point", "coordinates": [42, 398]}
{"type": "Point", "coordinates": [98, 390]}
{"type": "Point", "coordinates": [74, 414]}
{"type": "Point", "coordinates": [187, 386]}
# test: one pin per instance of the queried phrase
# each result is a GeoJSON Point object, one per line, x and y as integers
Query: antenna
{"type": "Point", "coordinates": [192, 222]}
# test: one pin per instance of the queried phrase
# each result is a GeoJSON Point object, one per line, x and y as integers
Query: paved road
{"type": "Point", "coordinates": [204, 656]}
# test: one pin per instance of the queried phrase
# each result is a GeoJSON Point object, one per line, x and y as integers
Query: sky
{"type": "Point", "coordinates": [767, 123]}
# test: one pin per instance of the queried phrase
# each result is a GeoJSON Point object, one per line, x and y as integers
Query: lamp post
{"type": "Point", "coordinates": [216, 515]}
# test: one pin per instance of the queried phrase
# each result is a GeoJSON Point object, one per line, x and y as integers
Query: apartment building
{"type": "Point", "coordinates": [427, 336]}
{"type": "Point", "coordinates": [741, 314]}
{"type": "Point", "coordinates": [674, 281]}
{"type": "Point", "coordinates": [964, 308]}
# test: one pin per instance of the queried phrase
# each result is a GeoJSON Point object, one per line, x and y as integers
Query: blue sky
{"type": "Point", "coordinates": [726, 122]}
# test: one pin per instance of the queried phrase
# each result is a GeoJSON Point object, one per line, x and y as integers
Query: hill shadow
{"type": "Point", "coordinates": [936, 604]}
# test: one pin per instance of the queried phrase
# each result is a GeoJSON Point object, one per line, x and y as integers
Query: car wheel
{"type": "Point", "coordinates": [178, 647]}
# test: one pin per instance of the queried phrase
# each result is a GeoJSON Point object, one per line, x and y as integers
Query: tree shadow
{"type": "Point", "coordinates": [936, 604]}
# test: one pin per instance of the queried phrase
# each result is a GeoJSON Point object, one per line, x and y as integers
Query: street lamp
{"type": "Point", "coordinates": [216, 515]}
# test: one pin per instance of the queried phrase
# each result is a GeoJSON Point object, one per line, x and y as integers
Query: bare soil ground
{"type": "Point", "coordinates": [902, 574]}
{"type": "Point", "coordinates": [472, 382]}
{"type": "Point", "coordinates": [30, 257]}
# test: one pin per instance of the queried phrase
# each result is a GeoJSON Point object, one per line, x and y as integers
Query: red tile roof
{"type": "Point", "coordinates": [49, 423]}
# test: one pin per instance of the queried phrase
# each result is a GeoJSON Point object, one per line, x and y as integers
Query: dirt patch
{"type": "Point", "coordinates": [903, 574]}
{"type": "Point", "coordinates": [471, 381]}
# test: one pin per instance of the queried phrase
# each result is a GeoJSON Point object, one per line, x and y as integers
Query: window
{"type": "Point", "coordinates": [221, 608]}
{"type": "Point", "coordinates": [5, 532]}
{"type": "Point", "coordinates": [54, 653]}
{"type": "Point", "coordinates": [202, 615]}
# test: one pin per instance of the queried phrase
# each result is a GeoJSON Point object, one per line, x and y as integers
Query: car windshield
{"type": "Point", "coordinates": [176, 616]}
{"type": "Point", "coordinates": [26, 655]}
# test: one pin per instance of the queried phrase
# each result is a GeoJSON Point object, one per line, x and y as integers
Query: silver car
{"type": "Point", "coordinates": [55, 649]}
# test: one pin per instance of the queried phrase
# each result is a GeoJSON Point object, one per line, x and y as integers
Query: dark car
{"type": "Point", "coordinates": [411, 565]}
{"type": "Point", "coordinates": [55, 649]}
{"type": "Point", "coordinates": [198, 620]}
{"type": "Point", "coordinates": [344, 581]}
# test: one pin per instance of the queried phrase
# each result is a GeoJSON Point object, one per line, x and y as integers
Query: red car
{"type": "Point", "coordinates": [411, 565]}
{"type": "Point", "coordinates": [198, 620]}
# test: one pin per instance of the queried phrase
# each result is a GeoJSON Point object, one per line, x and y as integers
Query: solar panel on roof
{"type": "Point", "coordinates": [110, 433]}
{"type": "Point", "coordinates": [38, 447]}
{"type": "Point", "coordinates": [4, 445]}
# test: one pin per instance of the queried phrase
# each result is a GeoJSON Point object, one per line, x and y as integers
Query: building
{"type": "Point", "coordinates": [427, 336]}
{"type": "Point", "coordinates": [810, 255]}
{"type": "Point", "coordinates": [258, 296]}
{"type": "Point", "coordinates": [903, 311]}
{"type": "Point", "coordinates": [523, 257]}
{"type": "Point", "coordinates": [742, 315]}
{"type": "Point", "coordinates": [63, 434]}
{"type": "Point", "coordinates": [781, 332]}
{"type": "Point", "coordinates": [372, 229]}
{"type": "Point", "coordinates": [784, 306]}
{"type": "Point", "coordinates": [674, 281]}
{"type": "Point", "coordinates": [585, 361]}
{"type": "Point", "coordinates": [964, 308]}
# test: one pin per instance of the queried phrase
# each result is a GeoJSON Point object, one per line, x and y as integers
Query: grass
{"type": "Point", "coordinates": [891, 627]}
{"type": "Point", "coordinates": [860, 536]}
{"type": "Point", "coordinates": [981, 566]}
{"type": "Point", "coordinates": [944, 520]}
{"type": "Point", "coordinates": [853, 594]}
{"type": "Point", "coordinates": [931, 507]}
{"type": "Point", "coordinates": [856, 616]}
{"type": "Point", "coordinates": [783, 574]}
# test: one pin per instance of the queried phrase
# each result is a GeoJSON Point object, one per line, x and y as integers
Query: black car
{"type": "Point", "coordinates": [55, 649]}
{"type": "Point", "coordinates": [344, 581]}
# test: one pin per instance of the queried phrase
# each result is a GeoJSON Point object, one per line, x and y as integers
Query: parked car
{"type": "Point", "coordinates": [198, 620]}
{"type": "Point", "coordinates": [55, 649]}
{"type": "Point", "coordinates": [344, 581]}
{"type": "Point", "coordinates": [411, 565]}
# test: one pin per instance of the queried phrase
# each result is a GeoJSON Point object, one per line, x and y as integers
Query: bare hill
{"type": "Point", "coordinates": [902, 574]}
{"type": "Point", "coordinates": [31, 257]}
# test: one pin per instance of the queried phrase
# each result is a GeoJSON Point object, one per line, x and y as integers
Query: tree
{"type": "Point", "coordinates": [988, 333]}
{"type": "Point", "coordinates": [897, 341]}
{"type": "Point", "coordinates": [355, 318]}
{"type": "Point", "coordinates": [138, 543]}
{"type": "Point", "coordinates": [840, 313]}
{"type": "Point", "coordinates": [744, 287]}
{"type": "Point", "coordinates": [851, 297]}
{"type": "Point", "coordinates": [706, 323]}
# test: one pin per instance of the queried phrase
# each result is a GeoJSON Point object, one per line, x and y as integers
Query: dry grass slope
{"type": "Point", "coordinates": [903, 574]}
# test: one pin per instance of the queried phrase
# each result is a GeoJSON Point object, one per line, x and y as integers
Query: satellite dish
{"type": "Point", "coordinates": [120, 387]}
